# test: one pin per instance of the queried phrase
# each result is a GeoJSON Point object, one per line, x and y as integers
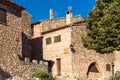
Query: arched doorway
{"type": "Point", "coordinates": [93, 72]}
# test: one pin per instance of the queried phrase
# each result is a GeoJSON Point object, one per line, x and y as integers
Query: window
{"type": "Point", "coordinates": [108, 67]}
{"type": "Point", "coordinates": [2, 15]}
{"type": "Point", "coordinates": [57, 38]}
{"type": "Point", "coordinates": [48, 40]}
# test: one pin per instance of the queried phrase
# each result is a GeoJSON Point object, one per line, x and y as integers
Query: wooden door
{"type": "Point", "coordinates": [59, 67]}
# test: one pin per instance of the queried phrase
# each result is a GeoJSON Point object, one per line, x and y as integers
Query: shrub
{"type": "Point", "coordinates": [116, 76]}
{"type": "Point", "coordinates": [43, 75]}
{"type": "Point", "coordinates": [1, 78]}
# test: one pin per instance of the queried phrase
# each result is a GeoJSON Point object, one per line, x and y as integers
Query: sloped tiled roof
{"type": "Point", "coordinates": [65, 26]}
{"type": "Point", "coordinates": [48, 25]}
{"type": "Point", "coordinates": [56, 23]}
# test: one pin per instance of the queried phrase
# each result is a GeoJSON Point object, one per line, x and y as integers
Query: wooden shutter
{"type": "Point", "coordinates": [48, 40]}
{"type": "Point", "coordinates": [108, 67]}
{"type": "Point", "coordinates": [57, 38]}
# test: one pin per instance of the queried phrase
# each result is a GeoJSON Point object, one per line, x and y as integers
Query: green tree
{"type": "Point", "coordinates": [103, 26]}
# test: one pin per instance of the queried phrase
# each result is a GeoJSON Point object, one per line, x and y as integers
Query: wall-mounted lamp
{"type": "Point", "coordinates": [112, 68]}
{"type": "Point", "coordinates": [72, 48]}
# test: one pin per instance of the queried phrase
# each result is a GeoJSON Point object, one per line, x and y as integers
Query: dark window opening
{"type": "Point", "coordinates": [108, 67]}
{"type": "Point", "coordinates": [3, 15]}
{"type": "Point", "coordinates": [57, 38]}
{"type": "Point", "coordinates": [48, 40]}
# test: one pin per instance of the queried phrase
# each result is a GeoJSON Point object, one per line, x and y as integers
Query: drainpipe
{"type": "Point", "coordinates": [113, 69]}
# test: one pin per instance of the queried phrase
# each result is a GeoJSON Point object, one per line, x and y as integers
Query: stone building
{"type": "Point", "coordinates": [15, 43]}
{"type": "Point", "coordinates": [59, 41]}
{"type": "Point", "coordinates": [10, 35]}
{"type": "Point", "coordinates": [26, 35]}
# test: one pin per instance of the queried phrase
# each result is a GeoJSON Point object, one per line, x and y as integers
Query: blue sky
{"type": "Point", "coordinates": [39, 9]}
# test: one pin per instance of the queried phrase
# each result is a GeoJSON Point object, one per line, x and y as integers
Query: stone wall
{"type": "Point", "coordinates": [83, 58]}
{"type": "Point", "coordinates": [52, 52]}
{"type": "Point", "coordinates": [28, 69]}
{"type": "Point", "coordinates": [56, 23]}
{"type": "Point", "coordinates": [59, 50]}
{"type": "Point", "coordinates": [10, 40]}
{"type": "Point", "coordinates": [77, 62]}
{"type": "Point", "coordinates": [15, 45]}
{"type": "Point", "coordinates": [116, 63]}
{"type": "Point", "coordinates": [26, 35]}
{"type": "Point", "coordinates": [37, 29]}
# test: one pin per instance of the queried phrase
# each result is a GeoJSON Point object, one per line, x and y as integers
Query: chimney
{"type": "Point", "coordinates": [69, 16]}
{"type": "Point", "coordinates": [51, 14]}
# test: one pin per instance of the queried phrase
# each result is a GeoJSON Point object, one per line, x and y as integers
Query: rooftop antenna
{"type": "Point", "coordinates": [70, 8]}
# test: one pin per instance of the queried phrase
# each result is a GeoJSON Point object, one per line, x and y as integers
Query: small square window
{"type": "Point", "coordinates": [2, 15]}
{"type": "Point", "coordinates": [57, 38]}
{"type": "Point", "coordinates": [48, 40]}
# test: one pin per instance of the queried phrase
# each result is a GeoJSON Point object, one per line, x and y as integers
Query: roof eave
{"type": "Point", "coordinates": [12, 4]}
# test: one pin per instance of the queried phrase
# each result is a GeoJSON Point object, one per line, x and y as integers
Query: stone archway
{"type": "Point", "coordinates": [93, 71]}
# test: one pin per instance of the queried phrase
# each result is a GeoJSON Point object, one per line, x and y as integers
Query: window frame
{"type": "Point", "coordinates": [57, 38]}
{"type": "Point", "coordinates": [48, 40]}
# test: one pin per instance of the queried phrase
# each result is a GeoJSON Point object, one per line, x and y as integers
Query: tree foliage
{"type": "Point", "coordinates": [103, 26]}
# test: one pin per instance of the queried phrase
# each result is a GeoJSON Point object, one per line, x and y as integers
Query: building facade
{"type": "Point", "coordinates": [62, 46]}
{"type": "Point", "coordinates": [10, 35]}
{"type": "Point", "coordinates": [26, 35]}
{"type": "Point", "coordinates": [15, 43]}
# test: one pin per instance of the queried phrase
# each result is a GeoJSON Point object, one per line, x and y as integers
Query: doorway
{"type": "Point", "coordinates": [58, 61]}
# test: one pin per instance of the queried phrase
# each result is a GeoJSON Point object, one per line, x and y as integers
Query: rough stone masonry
{"type": "Point", "coordinates": [15, 47]}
